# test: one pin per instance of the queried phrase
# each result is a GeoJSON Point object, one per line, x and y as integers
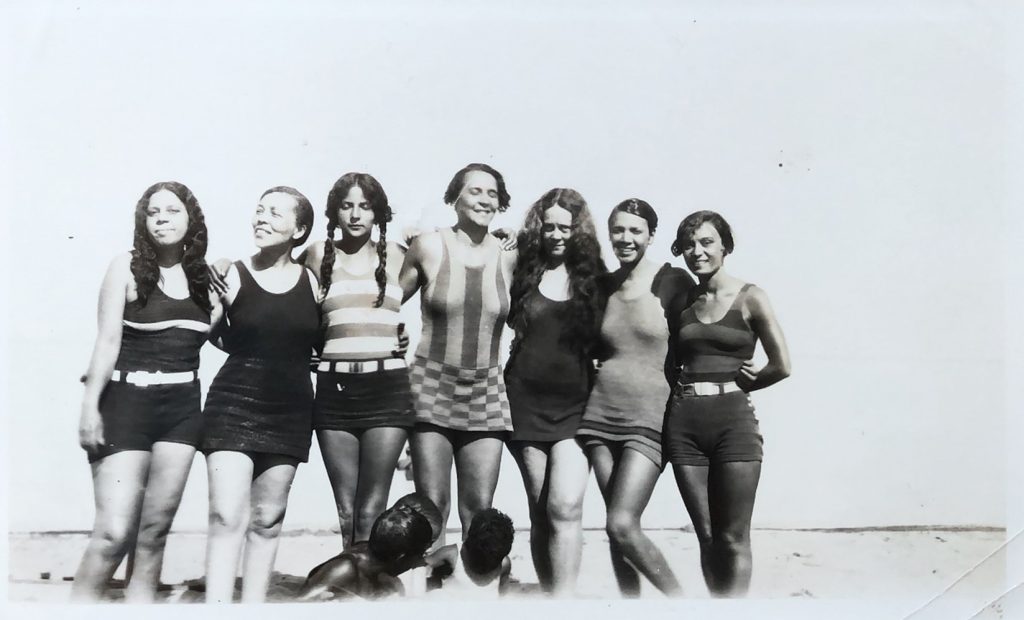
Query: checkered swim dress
{"type": "Point", "coordinates": [457, 382]}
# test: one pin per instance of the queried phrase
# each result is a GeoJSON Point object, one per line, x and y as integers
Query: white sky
{"type": "Point", "coordinates": [880, 238]}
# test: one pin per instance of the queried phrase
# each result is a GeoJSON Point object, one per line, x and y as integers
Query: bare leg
{"type": "Point", "coordinates": [568, 472]}
{"type": "Point", "coordinates": [230, 481]}
{"type": "Point", "coordinates": [340, 450]}
{"type": "Point", "coordinates": [271, 484]}
{"type": "Point", "coordinates": [692, 481]}
{"type": "Point", "coordinates": [118, 483]}
{"type": "Point", "coordinates": [602, 459]}
{"type": "Point", "coordinates": [432, 471]}
{"type": "Point", "coordinates": [477, 464]}
{"type": "Point", "coordinates": [731, 491]}
{"type": "Point", "coordinates": [379, 449]}
{"type": "Point", "coordinates": [635, 477]}
{"type": "Point", "coordinates": [168, 473]}
{"type": "Point", "coordinates": [533, 465]}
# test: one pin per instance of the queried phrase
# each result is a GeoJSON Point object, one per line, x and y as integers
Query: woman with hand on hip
{"type": "Point", "coordinates": [711, 434]}
{"type": "Point", "coordinates": [621, 427]}
{"type": "Point", "coordinates": [363, 406]}
{"type": "Point", "coordinates": [555, 314]}
{"type": "Point", "coordinates": [258, 416]}
{"type": "Point", "coordinates": [462, 412]}
{"type": "Point", "coordinates": [141, 419]}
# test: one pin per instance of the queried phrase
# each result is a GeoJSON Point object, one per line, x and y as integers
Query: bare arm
{"type": "Point", "coordinates": [225, 294]}
{"type": "Point", "coordinates": [767, 328]}
{"type": "Point", "coordinates": [338, 573]}
{"type": "Point", "coordinates": [105, 350]}
{"type": "Point", "coordinates": [411, 276]}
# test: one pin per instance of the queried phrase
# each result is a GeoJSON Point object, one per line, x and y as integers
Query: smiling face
{"type": "Point", "coordinates": [556, 230]}
{"type": "Point", "coordinates": [704, 251]}
{"type": "Point", "coordinates": [630, 237]}
{"type": "Point", "coordinates": [274, 222]}
{"type": "Point", "coordinates": [478, 201]}
{"type": "Point", "coordinates": [166, 218]}
{"type": "Point", "coordinates": [355, 214]}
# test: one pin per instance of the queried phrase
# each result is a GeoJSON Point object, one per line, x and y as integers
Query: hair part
{"type": "Point", "coordinates": [695, 220]}
{"type": "Point", "coordinates": [144, 267]}
{"type": "Point", "coordinates": [303, 210]}
{"type": "Point", "coordinates": [639, 208]}
{"type": "Point", "coordinates": [582, 262]}
{"type": "Point", "coordinates": [488, 541]}
{"type": "Point", "coordinates": [399, 532]}
{"type": "Point", "coordinates": [382, 214]}
{"type": "Point", "coordinates": [458, 182]}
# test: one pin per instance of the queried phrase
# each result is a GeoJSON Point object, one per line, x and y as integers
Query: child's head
{"type": "Point", "coordinates": [399, 532]}
{"type": "Point", "coordinates": [420, 503]}
{"type": "Point", "coordinates": [488, 541]}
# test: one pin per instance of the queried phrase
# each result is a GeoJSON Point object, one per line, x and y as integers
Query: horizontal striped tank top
{"type": "Point", "coordinates": [164, 334]}
{"type": "Point", "coordinates": [464, 310]}
{"type": "Point", "coordinates": [355, 329]}
{"type": "Point", "coordinates": [714, 351]}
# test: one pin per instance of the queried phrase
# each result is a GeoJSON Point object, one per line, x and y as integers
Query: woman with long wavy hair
{"type": "Point", "coordinates": [621, 428]}
{"type": "Point", "coordinates": [258, 417]}
{"type": "Point", "coordinates": [363, 406]}
{"type": "Point", "coordinates": [141, 420]}
{"type": "Point", "coordinates": [555, 314]}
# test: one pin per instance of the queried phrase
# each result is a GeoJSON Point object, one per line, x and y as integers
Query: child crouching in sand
{"type": "Point", "coordinates": [480, 568]}
{"type": "Point", "coordinates": [369, 569]}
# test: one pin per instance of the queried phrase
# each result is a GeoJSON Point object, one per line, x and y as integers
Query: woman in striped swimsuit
{"type": "Point", "coordinates": [711, 434]}
{"type": "Point", "coordinates": [363, 406]}
{"type": "Point", "coordinates": [621, 427]}
{"type": "Point", "coordinates": [141, 421]}
{"type": "Point", "coordinates": [462, 412]}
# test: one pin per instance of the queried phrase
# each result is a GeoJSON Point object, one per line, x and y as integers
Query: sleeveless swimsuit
{"type": "Point", "coordinates": [162, 335]}
{"type": "Point", "coordinates": [456, 379]}
{"type": "Point", "coordinates": [703, 430]}
{"type": "Point", "coordinates": [360, 333]}
{"type": "Point", "coordinates": [262, 398]}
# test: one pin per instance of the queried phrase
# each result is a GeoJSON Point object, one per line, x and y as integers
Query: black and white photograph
{"type": "Point", "coordinates": [702, 309]}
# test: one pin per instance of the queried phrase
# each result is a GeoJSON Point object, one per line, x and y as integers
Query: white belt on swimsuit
{"type": "Point", "coordinates": [143, 378]}
{"type": "Point", "coordinates": [361, 367]}
{"type": "Point", "coordinates": [708, 388]}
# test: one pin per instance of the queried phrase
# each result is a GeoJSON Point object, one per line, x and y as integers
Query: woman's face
{"type": "Point", "coordinates": [274, 222]}
{"type": "Point", "coordinates": [478, 200]}
{"type": "Point", "coordinates": [630, 237]}
{"type": "Point", "coordinates": [355, 215]}
{"type": "Point", "coordinates": [556, 230]}
{"type": "Point", "coordinates": [166, 218]}
{"type": "Point", "coordinates": [703, 251]}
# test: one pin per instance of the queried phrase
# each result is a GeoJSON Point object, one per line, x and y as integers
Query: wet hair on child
{"type": "Point", "coordinates": [488, 541]}
{"type": "Point", "coordinates": [399, 532]}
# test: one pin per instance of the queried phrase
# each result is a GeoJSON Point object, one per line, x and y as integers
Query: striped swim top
{"type": "Point", "coordinates": [464, 310]}
{"type": "Point", "coordinates": [714, 351]}
{"type": "Point", "coordinates": [355, 329]}
{"type": "Point", "coordinates": [163, 335]}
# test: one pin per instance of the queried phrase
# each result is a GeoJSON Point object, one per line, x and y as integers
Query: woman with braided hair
{"type": "Point", "coordinates": [141, 419]}
{"type": "Point", "coordinates": [363, 406]}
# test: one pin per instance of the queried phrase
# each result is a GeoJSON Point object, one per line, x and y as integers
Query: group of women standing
{"type": "Point", "coordinates": [621, 371]}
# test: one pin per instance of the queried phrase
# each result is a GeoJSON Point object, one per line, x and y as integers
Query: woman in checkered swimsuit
{"type": "Point", "coordinates": [462, 412]}
{"type": "Point", "coordinates": [141, 421]}
{"type": "Point", "coordinates": [363, 406]}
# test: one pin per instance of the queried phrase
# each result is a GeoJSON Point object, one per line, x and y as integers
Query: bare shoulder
{"type": "Point", "coordinates": [756, 301]}
{"type": "Point", "coordinates": [122, 263]}
{"type": "Point", "coordinates": [394, 249]}
{"type": "Point", "coordinates": [426, 246]}
{"type": "Point", "coordinates": [313, 255]}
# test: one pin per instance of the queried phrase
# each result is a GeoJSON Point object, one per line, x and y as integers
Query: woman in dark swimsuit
{"type": "Point", "coordinates": [711, 434]}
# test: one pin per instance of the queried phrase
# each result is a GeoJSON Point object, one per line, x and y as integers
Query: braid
{"type": "Point", "coordinates": [381, 273]}
{"type": "Point", "coordinates": [327, 265]}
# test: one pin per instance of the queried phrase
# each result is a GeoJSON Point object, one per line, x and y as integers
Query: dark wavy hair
{"type": "Point", "coordinates": [374, 194]}
{"type": "Point", "coordinates": [693, 221]}
{"type": "Point", "coordinates": [488, 541]}
{"type": "Point", "coordinates": [455, 185]}
{"type": "Point", "coordinates": [303, 210]}
{"type": "Point", "coordinates": [582, 261]}
{"type": "Point", "coordinates": [399, 531]}
{"type": "Point", "coordinates": [639, 208]}
{"type": "Point", "coordinates": [193, 259]}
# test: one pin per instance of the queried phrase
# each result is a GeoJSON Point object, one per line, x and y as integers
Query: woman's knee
{"type": "Point", "coordinates": [266, 520]}
{"type": "Point", "coordinates": [563, 511]}
{"type": "Point", "coordinates": [621, 526]}
{"type": "Point", "coordinates": [733, 540]}
{"type": "Point", "coordinates": [222, 519]}
{"type": "Point", "coordinates": [153, 533]}
{"type": "Point", "coordinates": [114, 537]}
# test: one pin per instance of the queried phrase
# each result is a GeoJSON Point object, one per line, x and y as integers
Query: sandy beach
{"type": "Point", "coordinates": [877, 564]}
